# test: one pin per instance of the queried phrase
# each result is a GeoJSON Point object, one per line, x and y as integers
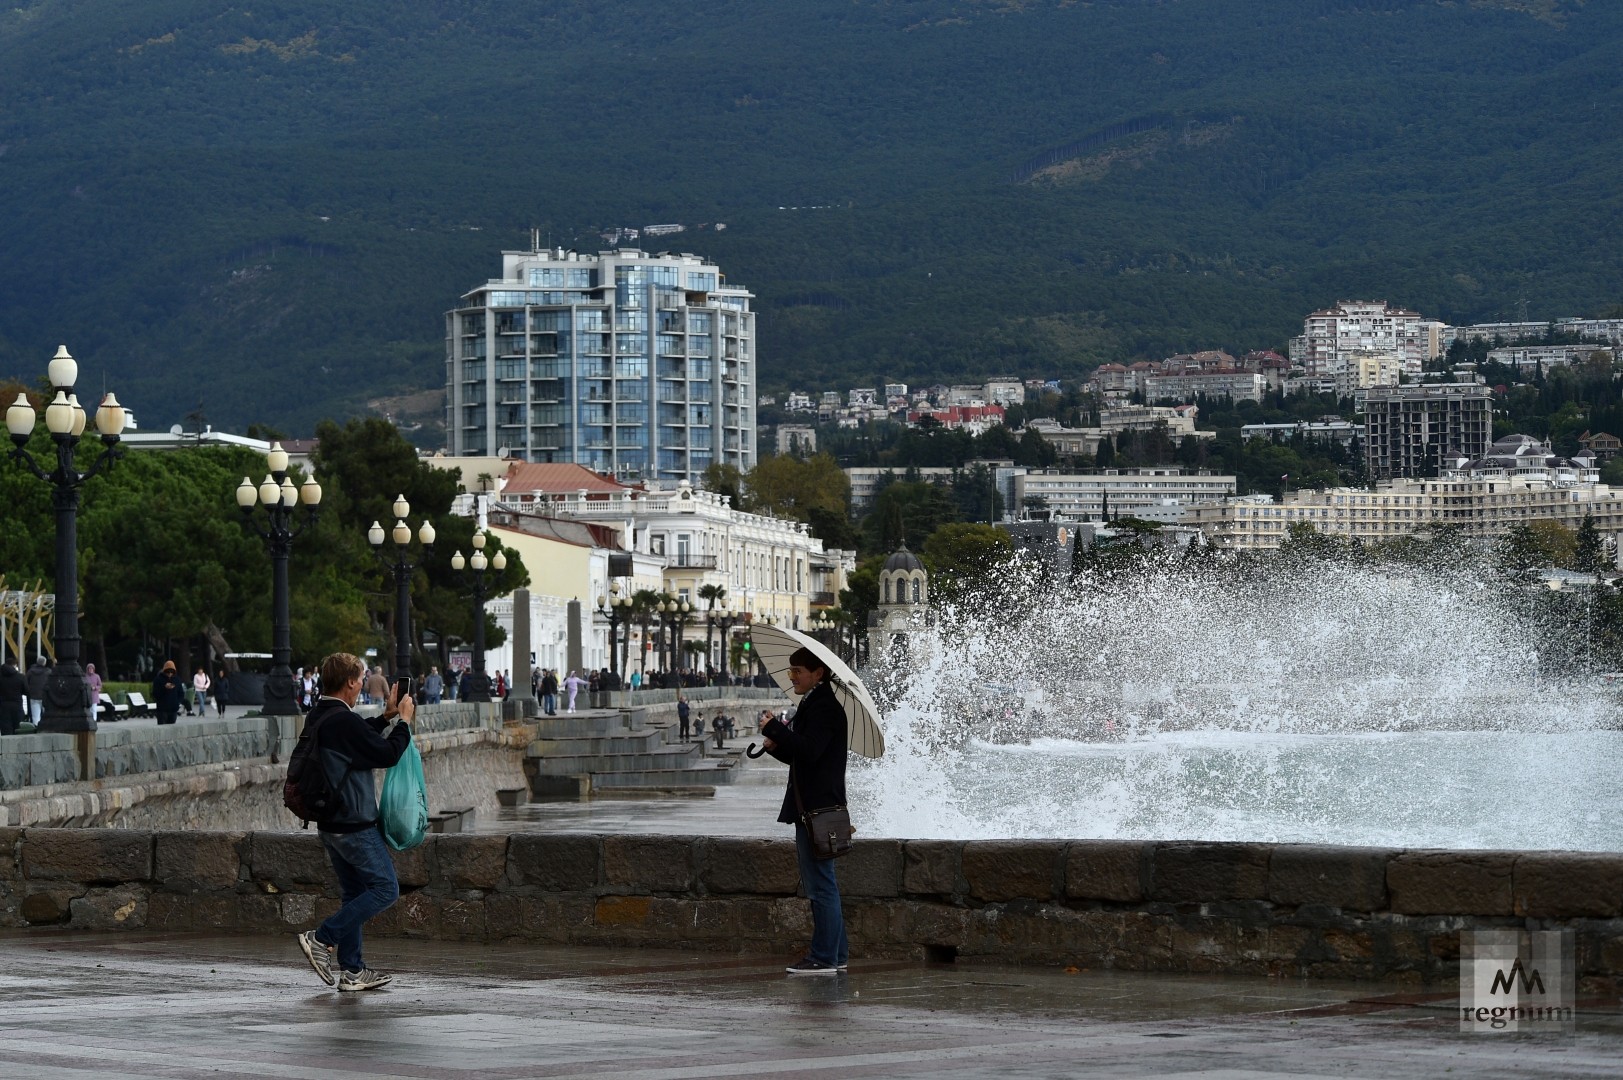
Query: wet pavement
{"type": "Point", "coordinates": [186, 1006]}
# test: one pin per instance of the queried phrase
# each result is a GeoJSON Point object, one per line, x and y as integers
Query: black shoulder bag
{"type": "Point", "coordinates": [829, 828]}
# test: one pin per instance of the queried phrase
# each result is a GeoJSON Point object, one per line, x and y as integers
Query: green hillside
{"type": "Point", "coordinates": [266, 210]}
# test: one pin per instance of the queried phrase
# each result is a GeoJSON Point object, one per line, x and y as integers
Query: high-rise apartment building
{"type": "Point", "coordinates": [634, 365]}
{"type": "Point", "coordinates": [1417, 430]}
{"type": "Point", "coordinates": [1365, 326]}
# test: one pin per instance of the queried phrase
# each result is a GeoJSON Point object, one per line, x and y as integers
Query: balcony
{"type": "Point", "coordinates": [682, 561]}
{"type": "Point", "coordinates": [823, 599]}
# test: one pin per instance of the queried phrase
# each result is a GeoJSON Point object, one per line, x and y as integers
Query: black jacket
{"type": "Point", "coordinates": [13, 688]}
{"type": "Point", "coordinates": [814, 749]}
{"type": "Point", "coordinates": [166, 692]}
{"type": "Point", "coordinates": [350, 746]}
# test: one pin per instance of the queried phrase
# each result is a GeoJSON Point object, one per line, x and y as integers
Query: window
{"type": "Point", "coordinates": [549, 275]}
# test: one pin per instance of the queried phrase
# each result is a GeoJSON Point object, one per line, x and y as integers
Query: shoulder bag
{"type": "Point", "coordinates": [829, 828]}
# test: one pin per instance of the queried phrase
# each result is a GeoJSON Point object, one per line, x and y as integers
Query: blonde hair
{"type": "Point", "coordinates": [337, 669]}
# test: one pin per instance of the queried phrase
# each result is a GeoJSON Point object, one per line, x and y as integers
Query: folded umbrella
{"type": "Point", "coordinates": [773, 646]}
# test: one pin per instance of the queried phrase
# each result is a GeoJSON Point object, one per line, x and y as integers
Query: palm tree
{"type": "Point", "coordinates": [715, 594]}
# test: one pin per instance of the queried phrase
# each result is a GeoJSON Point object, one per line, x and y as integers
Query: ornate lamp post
{"type": "Point", "coordinates": [682, 614]}
{"type": "Point", "coordinates": [725, 617]}
{"type": "Point", "coordinates": [67, 698]}
{"type": "Point", "coordinates": [402, 568]}
{"type": "Point", "coordinates": [617, 609]}
{"type": "Point", "coordinates": [479, 685]}
{"type": "Point", "coordinates": [279, 498]}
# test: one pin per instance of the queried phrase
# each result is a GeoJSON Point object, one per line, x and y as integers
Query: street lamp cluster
{"type": "Point", "coordinates": [67, 706]}
{"type": "Point", "coordinates": [402, 567]}
{"type": "Point", "coordinates": [278, 497]}
{"type": "Point", "coordinates": [617, 609]}
{"type": "Point", "coordinates": [479, 685]}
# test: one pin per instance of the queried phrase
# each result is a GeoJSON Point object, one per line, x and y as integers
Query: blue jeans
{"type": "Point", "coordinates": [549, 704]}
{"type": "Point", "coordinates": [368, 885]}
{"type": "Point", "coordinates": [828, 943]}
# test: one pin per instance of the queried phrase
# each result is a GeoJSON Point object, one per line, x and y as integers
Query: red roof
{"type": "Point", "coordinates": [556, 478]}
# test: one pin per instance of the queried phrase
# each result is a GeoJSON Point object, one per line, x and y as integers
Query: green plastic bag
{"type": "Point", "coordinates": [403, 806]}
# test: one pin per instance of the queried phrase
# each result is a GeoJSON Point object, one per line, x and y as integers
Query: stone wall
{"type": "Point", "coordinates": [468, 755]}
{"type": "Point", "coordinates": [1256, 909]}
{"type": "Point", "coordinates": [37, 760]}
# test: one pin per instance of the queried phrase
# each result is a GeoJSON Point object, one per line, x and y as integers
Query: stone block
{"type": "Point", "coordinates": [1003, 870]}
{"type": "Point", "coordinates": [1198, 872]}
{"type": "Point", "coordinates": [932, 867]}
{"type": "Point", "coordinates": [42, 905]}
{"type": "Point", "coordinates": [469, 861]}
{"type": "Point", "coordinates": [289, 860]}
{"type": "Point", "coordinates": [87, 855]}
{"type": "Point", "coordinates": [873, 868]}
{"type": "Point", "coordinates": [1567, 884]}
{"type": "Point", "coordinates": [1347, 878]}
{"type": "Point", "coordinates": [414, 868]}
{"type": "Point", "coordinates": [462, 920]}
{"type": "Point", "coordinates": [1451, 882]}
{"type": "Point", "coordinates": [121, 908]}
{"type": "Point", "coordinates": [556, 863]}
{"type": "Point", "coordinates": [621, 911]}
{"type": "Point", "coordinates": [11, 867]}
{"type": "Point", "coordinates": [1105, 870]}
{"type": "Point", "coordinates": [189, 861]}
{"type": "Point", "coordinates": [736, 864]}
{"type": "Point", "coordinates": [648, 863]}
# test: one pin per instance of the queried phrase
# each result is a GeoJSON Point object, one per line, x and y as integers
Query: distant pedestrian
{"type": "Point", "coordinates": [549, 692]}
{"type": "Point", "coordinates": [433, 686]}
{"type": "Point", "coordinates": [683, 711]}
{"type": "Point", "coordinates": [636, 681]}
{"type": "Point", "coordinates": [573, 685]}
{"type": "Point", "coordinates": [377, 687]}
{"type": "Point", "coordinates": [167, 693]}
{"type": "Point", "coordinates": [93, 684]}
{"type": "Point", "coordinates": [350, 746]}
{"type": "Point", "coordinates": [13, 698]}
{"type": "Point", "coordinates": [38, 673]}
{"type": "Point", "coordinates": [200, 690]}
{"type": "Point", "coordinates": [219, 692]}
{"type": "Point", "coordinates": [464, 685]}
{"type": "Point", "coordinates": [501, 686]}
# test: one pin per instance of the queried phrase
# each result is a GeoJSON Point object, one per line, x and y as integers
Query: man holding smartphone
{"type": "Point", "coordinates": [349, 746]}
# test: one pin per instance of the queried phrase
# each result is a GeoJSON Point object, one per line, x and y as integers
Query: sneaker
{"type": "Point", "coordinates": [808, 966]}
{"type": "Point", "coordinates": [319, 955]}
{"type": "Point", "coordinates": [365, 979]}
{"type": "Point", "coordinates": [842, 967]}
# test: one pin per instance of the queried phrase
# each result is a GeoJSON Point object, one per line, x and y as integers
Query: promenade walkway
{"type": "Point", "coordinates": [136, 1005]}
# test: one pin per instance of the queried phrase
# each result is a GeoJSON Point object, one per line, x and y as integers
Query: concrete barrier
{"type": "Point", "coordinates": [1254, 909]}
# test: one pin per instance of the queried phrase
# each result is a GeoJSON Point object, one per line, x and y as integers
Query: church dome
{"type": "Point", "coordinates": [903, 559]}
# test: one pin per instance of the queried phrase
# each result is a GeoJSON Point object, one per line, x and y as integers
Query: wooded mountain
{"type": "Point", "coordinates": [268, 209]}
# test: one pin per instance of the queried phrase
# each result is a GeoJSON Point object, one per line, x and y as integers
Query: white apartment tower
{"type": "Point", "coordinates": [1329, 336]}
{"type": "Point", "coordinates": [633, 365]}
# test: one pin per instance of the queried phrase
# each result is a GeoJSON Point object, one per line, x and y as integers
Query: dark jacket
{"type": "Point", "coordinates": [37, 674]}
{"type": "Point", "coordinates": [351, 746]}
{"type": "Point", "coordinates": [549, 683]}
{"type": "Point", "coordinates": [814, 749]}
{"type": "Point", "coordinates": [166, 692]}
{"type": "Point", "coordinates": [13, 687]}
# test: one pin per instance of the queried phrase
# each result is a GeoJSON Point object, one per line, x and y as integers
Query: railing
{"type": "Point", "coordinates": [690, 562]}
{"type": "Point", "coordinates": [823, 599]}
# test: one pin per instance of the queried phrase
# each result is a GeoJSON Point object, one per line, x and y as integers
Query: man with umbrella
{"type": "Point", "coordinates": [814, 748]}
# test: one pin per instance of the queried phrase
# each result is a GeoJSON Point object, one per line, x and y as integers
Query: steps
{"type": "Point", "coordinates": [601, 751]}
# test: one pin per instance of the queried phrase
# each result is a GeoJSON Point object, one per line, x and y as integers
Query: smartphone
{"type": "Point", "coordinates": [402, 688]}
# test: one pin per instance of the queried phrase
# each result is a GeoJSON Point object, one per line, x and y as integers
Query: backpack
{"type": "Point", "coordinates": [307, 791]}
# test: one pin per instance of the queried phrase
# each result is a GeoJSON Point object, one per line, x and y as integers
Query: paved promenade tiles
{"type": "Point", "coordinates": [181, 1007]}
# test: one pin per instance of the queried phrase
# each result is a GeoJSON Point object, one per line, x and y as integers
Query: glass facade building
{"type": "Point", "coordinates": [638, 366]}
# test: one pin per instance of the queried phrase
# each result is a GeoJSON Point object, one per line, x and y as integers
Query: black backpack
{"type": "Point", "coordinates": [307, 791]}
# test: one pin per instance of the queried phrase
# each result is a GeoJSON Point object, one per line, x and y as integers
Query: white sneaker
{"type": "Point", "coordinates": [319, 955]}
{"type": "Point", "coordinates": [365, 979]}
{"type": "Point", "coordinates": [808, 966]}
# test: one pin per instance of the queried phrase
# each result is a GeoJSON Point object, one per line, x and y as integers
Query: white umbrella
{"type": "Point", "coordinates": [774, 644]}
